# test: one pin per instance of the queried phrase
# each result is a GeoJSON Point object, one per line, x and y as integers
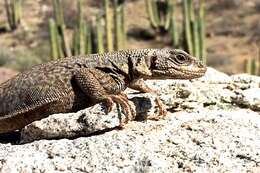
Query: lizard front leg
{"type": "Point", "coordinates": [141, 86]}
{"type": "Point", "coordinates": [102, 87]}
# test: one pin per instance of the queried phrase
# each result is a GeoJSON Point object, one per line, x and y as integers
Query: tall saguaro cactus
{"type": "Point", "coordinates": [13, 11]}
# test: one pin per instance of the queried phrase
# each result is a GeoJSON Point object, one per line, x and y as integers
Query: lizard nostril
{"type": "Point", "coordinates": [200, 65]}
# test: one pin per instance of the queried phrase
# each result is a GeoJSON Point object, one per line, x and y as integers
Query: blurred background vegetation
{"type": "Point", "coordinates": [225, 34]}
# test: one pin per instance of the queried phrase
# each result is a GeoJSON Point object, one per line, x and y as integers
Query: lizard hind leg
{"type": "Point", "coordinates": [100, 88]}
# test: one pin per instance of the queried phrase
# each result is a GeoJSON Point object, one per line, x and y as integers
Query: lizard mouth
{"type": "Point", "coordinates": [172, 73]}
{"type": "Point", "coordinates": [198, 72]}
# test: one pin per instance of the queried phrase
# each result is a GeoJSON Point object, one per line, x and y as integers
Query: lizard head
{"type": "Point", "coordinates": [175, 64]}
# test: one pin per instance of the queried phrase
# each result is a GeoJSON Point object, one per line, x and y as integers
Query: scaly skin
{"type": "Point", "coordinates": [74, 83]}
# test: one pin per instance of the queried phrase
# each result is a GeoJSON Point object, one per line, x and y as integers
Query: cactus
{"type": "Point", "coordinates": [162, 17]}
{"type": "Point", "coordinates": [167, 14]}
{"type": "Point", "coordinates": [187, 25]}
{"type": "Point", "coordinates": [123, 24]}
{"type": "Point", "coordinates": [75, 46]}
{"type": "Point", "coordinates": [195, 37]}
{"type": "Point", "coordinates": [119, 24]}
{"type": "Point", "coordinates": [193, 26]}
{"type": "Point", "coordinates": [160, 14]}
{"type": "Point", "coordinates": [152, 12]}
{"type": "Point", "coordinates": [13, 11]}
{"type": "Point", "coordinates": [174, 30]}
{"type": "Point", "coordinates": [99, 35]}
{"type": "Point", "coordinates": [258, 63]}
{"type": "Point", "coordinates": [58, 14]}
{"type": "Point", "coordinates": [82, 29]}
{"type": "Point", "coordinates": [89, 40]}
{"type": "Point", "coordinates": [252, 66]}
{"type": "Point", "coordinates": [201, 26]}
{"type": "Point", "coordinates": [108, 22]}
{"type": "Point", "coordinates": [80, 33]}
{"type": "Point", "coordinates": [194, 29]}
{"type": "Point", "coordinates": [247, 66]}
{"type": "Point", "coordinates": [53, 39]}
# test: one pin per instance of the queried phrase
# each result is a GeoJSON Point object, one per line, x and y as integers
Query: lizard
{"type": "Point", "coordinates": [74, 83]}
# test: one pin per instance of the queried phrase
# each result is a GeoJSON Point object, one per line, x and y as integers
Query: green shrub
{"type": "Point", "coordinates": [24, 59]}
{"type": "Point", "coordinates": [6, 56]}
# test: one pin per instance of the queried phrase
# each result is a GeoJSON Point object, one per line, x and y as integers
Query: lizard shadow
{"type": "Point", "coordinates": [143, 106]}
{"type": "Point", "coordinates": [10, 137]}
{"type": "Point", "coordinates": [14, 138]}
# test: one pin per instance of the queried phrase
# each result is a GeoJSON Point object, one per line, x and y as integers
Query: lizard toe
{"type": "Point", "coordinates": [123, 102]}
{"type": "Point", "coordinates": [108, 102]}
{"type": "Point", "coordinates": [160, 105]}
{"type": "Point", "coordinates": [161, 110]}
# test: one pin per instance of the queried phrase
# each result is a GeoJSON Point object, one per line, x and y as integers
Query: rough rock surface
{"type": "Point", "coordinates": [212, 125]}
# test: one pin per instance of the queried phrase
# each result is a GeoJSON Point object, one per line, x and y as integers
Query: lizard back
{"type": "Point", "coordinates": [53, 81]}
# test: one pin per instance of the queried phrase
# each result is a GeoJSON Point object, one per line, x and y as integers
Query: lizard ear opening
{"type": "Point", "coordinates": [153, 62]}
{"type": "Point", "coordinates": [152, 57]}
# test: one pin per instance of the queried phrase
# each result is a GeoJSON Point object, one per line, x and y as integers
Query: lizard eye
{"type": "Point", "coordinates": [180, 59]}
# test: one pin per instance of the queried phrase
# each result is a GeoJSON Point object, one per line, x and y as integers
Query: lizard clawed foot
{"type": "Point", "coordinates": [161, 109]}
{"type": "Point", "coordinates": [160, 105]}
{"type": "Point", "coordinates": [122, 100]}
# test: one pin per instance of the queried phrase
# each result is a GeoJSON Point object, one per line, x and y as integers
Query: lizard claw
{"type": "Point", "coordinates": [108, 102]}
{"type": "Point", "coordinates": [122, 100]}
{"type": "Point", "coordinates": [161, 109]}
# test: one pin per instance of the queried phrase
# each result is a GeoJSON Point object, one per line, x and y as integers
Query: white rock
{"type": "Point", "coordinates": [214, 76]}
{"type": "Point", "coordinates": [206, 141]}
{"type": "Point", "coordinates": [245, 78]}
